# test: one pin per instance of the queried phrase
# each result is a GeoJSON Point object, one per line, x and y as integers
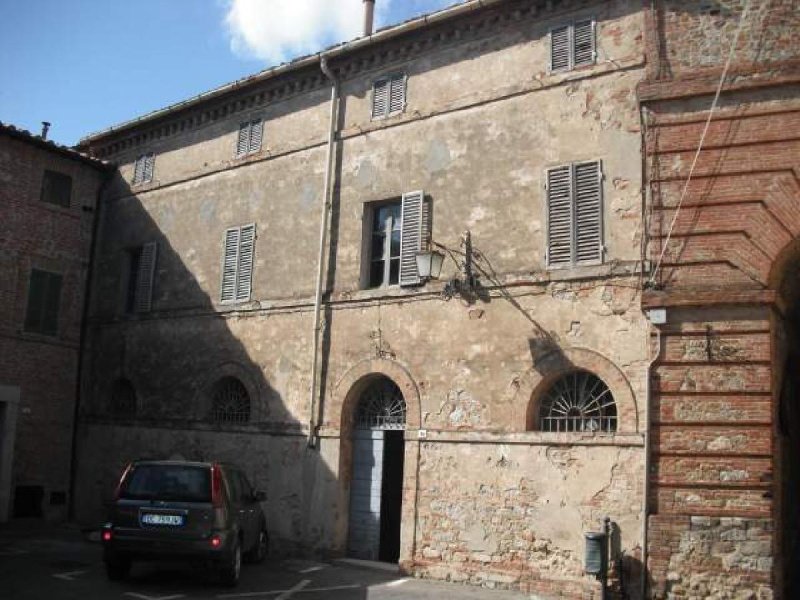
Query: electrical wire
{"type": "Point", "coordinates": [722, 78]}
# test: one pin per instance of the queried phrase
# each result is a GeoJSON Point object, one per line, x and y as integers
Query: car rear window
{"type": "Point", "coordinates": [168, 482]}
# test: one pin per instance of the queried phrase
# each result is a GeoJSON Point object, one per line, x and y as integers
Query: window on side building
{"type": "Point", "coordinates": [143, 168]}
{"type": "Point", "coordinates": [56, 188]}
{"type": "Point", "coordinates": [44, 298]}
{"type": "Point", "coordinates": [388, 95]}
{"type": "Point", "coordinates": [573, 45]}
{"type": "Point", "coordinates": [249, 139]}
{"type": "Point", "coordinates": [141, 274]}
{"type": "Point", "coordinates": [574, 215]}
{"type": "Point", "coordinates": [398, 229]}
{"type": "Point", "coordinates": [237, 263]}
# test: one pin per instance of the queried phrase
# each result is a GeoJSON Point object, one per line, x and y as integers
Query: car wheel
{"type": "Point", "coordinates": [229, 574]}
{"type": "Point", "coordinates": [259, 552]}
{"type": "Point", "coordinates": [118, 568]}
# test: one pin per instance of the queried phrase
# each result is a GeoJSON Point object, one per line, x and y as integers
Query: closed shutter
{"type": "Point", "coordinates": [559, 216]}
{"type": "Point", "coordinates": [143, 296]}
{"type": "Point", "coordinates": [584, 43]}
{"type": "Point", "coordinates": [244, 274]}
{"type": "Point", "coordinates": [138, 170]}
{"type": "Point", "coordinates": [256, 129]}
{"type": "Point", "coordinates": [588, 212]}
{"type": "Point", "coordinates": [411, 236]}
{"type": "Point", "coordinates": [230, 261]}
{"type": "Point", "coordinates": [149, 166]}
{"type": "Point", "coordinates": [559, 48]}
{"type": "Point", "coordinates": [380, 98]}
{"type": "Point", "coordinates": [243, 143]}
{"type": "Point", "coordinates": [397, 95]}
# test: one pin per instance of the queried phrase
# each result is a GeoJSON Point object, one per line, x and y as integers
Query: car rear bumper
{"type": "Point", "coordinates": [134, 545]}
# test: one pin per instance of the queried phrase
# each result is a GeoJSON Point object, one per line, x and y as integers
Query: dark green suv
{"type": "Point", "coordinates": [177, 510]}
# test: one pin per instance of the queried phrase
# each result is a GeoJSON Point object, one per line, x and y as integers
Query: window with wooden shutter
{"type": "Point", "coordinates": [389, 96]}
{"type": "Point", "coordinates": [256, 129]}
{"type": "Point", "coordinates": [249, 139]}
{"type": "Point", "coordinates": [243, 143]}
{"type": "Point", "coordinates": [56, 188]}
{"type": "Point", "coordinates": [237, 263]}
{"type": "Point", "coordinates": [411, 236]}
{"type": "Point", "coordinates": [574, 215]}
{"type": "Point", "coordinates": [141, 275]}
{"type": "Point", "coordinates": [143, 168]}
{"type": "Point", "coordinates": [572, 45]}
{"type": "Point", "coordinates": [44, 299]}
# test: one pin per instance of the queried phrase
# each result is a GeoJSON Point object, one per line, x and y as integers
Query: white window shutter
{"type": "Point", "coordinates": [411, 236]}
{"type": "Point", "coordinates": [584, 43]}
{"type": "Point", "coordinates": [244, 275]}
{"type": "Point", "coordinates": [380, 98]}
{"type": "Point", "coordinates": [230, 261]}
{"type": "Point", "coordinates": [243, 141]}
{"type": "Point", "coordinates": [149, 167]}
{"type": "Point", "coordinates": [143, 294]}
{"type": "Point", "coordinates": [588, 212]}
{"type": "Point", "coordinates": [256, 129]}
{"type": "Point", "coordinates": [397, 94]}
{"type": "Point", "coordinates": [559, 216]}
{"type": "Point", "coordinates": [138, 170]}
{"type": "Point", "coordinates": [559, 48]}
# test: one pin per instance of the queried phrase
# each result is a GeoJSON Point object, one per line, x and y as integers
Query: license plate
{"type": "Point", "coordinates": [169, 520]}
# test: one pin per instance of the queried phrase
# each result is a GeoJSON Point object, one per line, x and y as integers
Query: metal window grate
{"type": "Point", "coordinates": [230, 402]}
{"type": "Point", "coordinates": [381, 407]}
{"type": "Point", "coordinates": [579, 401]}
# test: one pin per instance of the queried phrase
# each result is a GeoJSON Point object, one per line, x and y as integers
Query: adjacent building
{"type": "Point", "coordinates": [48, 196]}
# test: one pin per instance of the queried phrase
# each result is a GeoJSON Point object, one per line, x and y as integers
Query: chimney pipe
{"type": "Point", "coordinates": [45, 128]}
{"type": "Point", "coordinates": [369, 16]}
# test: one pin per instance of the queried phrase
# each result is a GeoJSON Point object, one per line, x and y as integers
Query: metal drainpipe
{"type": "Point", "coordinates": [646, 490]}
{"type": "Point", "coordinates": [323, 239]}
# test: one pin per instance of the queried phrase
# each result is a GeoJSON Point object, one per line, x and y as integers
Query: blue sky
{"type": "Point", "coordinates": [87, 64]}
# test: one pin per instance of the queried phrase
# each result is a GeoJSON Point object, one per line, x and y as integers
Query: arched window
{"type": "Point", "coordinates": [381, 406]}
{"type": "Point", "coordinates": [123, 399]}
{"type": "Point", "coordinates": [578, 401]}
{"type": "Point", "coordinates": [230, 402]}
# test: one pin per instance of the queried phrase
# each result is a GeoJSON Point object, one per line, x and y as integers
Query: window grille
{"type": "Point", "coordinates": [579, 401]}
{"type": "Point", "coordinates": [230, 402]}
{"type": "Point", "coordinates": [123, 399]}
{"type": "Point", "coordinates": [56, 188]}
{"type": "Point", "coordinates": [143, 168]}
{"type": "Point", "coordinates": [388, 96]}
{"type": "Point", "coordinates": [573, 45]}
{"type": "Point", "coordinates": [381, 406]}
{"type": "Point", "coordinates": [250, 134]}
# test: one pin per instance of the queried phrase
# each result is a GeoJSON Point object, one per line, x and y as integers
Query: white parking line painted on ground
{"type": "Point", "coordinates": [291, 592]}
{"type": "Point", "coordinates": [311, 569]}
{"type": "Point", "coordinates": [396, 583]}
{"type": "Point", "coordinates": [68, 576]}
{"type": "Point", "coordinates": [12, 552]}
{"type": "Point", "coordinates": [143, 597]}
{"type": "Point", "coordinates": [294, 590]}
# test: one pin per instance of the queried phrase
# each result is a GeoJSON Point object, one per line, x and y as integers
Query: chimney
{"type": "Point", "coordinates": [369, 16]}
{"type": "Point", "coordinates": [45, 128]}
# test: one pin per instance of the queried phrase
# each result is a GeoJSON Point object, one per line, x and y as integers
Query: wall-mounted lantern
{"type": "Point", "coordinates": [430, 261]}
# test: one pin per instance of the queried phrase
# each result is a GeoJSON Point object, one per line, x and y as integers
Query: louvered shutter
{"type": "Point", "coordinates": [397, 94]}
{"type": "Point", "coordinates": [584, 43]}
{"type": "Point", "coordinates": [143, 295]}
{"type": "Point", "coordinates": [256, 129]}
{"type": "Point", "coordinates": [411, 236]}
{"type": "Point", "coordinates": [559, 216]}
{"type": "Point", "coordinates": [230, 261]}
{"type": "Point", "coordinates": [149, 166]}
{"type": "Point", "coordinates": [138, 170]}
{"type": "Point", "coordinates": [243, 143]}
{"type": "Point", "coordinates": [588, 212]}
{"type": "Point", "coordinates": [244, 270]}
{"type": "Point", "coordinates": [559, 48]}
{"type": "Point", "coordinates": [380, 98]}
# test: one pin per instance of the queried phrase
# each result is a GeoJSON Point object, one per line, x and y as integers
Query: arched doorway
{"type": "Point", "coordinates": [376, 485]}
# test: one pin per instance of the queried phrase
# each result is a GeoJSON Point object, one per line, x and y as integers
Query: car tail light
{"type": "Point", "coordinates": [216, 487]}
{"type": "Point", "coordinates": [216, 541]}
{"type": "Point", "coordinates": [122, 480]}
{"type": "Point", "coordinates": [107, 535]}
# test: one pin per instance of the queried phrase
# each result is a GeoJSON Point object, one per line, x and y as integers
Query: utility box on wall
{"type": "Point", "coordinates": [596, 558]}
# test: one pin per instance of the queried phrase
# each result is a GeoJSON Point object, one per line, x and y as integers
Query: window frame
{"type": "Point", "coordinates": [49, 174]}
{"type": "Point", "coordinates": [236, 299]}
{"type": "Point", "coordinates": [141, 176]}
{"type": "Point", "coordinates": [389, 78]}
{"type": "Point", "coordinates": [44, 308]}
{"type": "Point", "coordinates": [574, 262]}
{"type": "Point", "coordinates": [139, 293]}
{"type": "Point", "coordinates": [370, 212]}
{"type": "Point", "coordinates": [247, 125]}
{"type": "Point", "coordinates": [571, 66]}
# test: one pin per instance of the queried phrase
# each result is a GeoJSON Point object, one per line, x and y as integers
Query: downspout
{"type": "Point", "coordinates": [646, 486]}
{"type": "Point", "coordinates": [73, 464]}
{"type": "Point", "coordinates": [327, 195]}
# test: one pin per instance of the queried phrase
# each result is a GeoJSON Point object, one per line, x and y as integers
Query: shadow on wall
{"type": "Point", "coordinates": [186, 381]}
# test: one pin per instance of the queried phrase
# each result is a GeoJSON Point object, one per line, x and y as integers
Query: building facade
{"type": "Point", "coordinates": [48, 195]}
{"type": "Point", "coordinates": [255, 297]}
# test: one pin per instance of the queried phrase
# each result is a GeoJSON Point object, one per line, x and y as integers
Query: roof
{"type": "Point", "coordinates": [37, 140]}
{"type": "Point", "coordinates": [459, 7]}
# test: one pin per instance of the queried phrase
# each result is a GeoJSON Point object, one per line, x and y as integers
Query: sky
{"type": "Point", "coordinates": [85, 65]}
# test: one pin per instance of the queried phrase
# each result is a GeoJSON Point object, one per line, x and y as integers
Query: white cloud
{"type": "Point", "coordinates": [278, 30]}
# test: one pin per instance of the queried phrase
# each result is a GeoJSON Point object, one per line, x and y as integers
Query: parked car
{"type": "Point", "coordinates": [178, 510]}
